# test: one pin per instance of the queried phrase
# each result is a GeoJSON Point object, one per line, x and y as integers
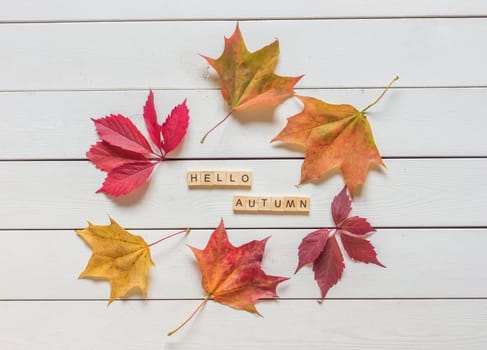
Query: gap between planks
{"type": "Point", "coordinates": [263, 299]}
{"type": "Point", "coordinates": [297, 89]}
{"type": "Point", "coordinates": [254, 228]}
{"type": "Point", "coordinates": [243, 19]}
{"type": "Point", "coordinates": [236, 158]}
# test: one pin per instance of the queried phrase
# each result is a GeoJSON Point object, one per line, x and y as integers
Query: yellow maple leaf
{"type": "Point", "coordinates": [118, 256]}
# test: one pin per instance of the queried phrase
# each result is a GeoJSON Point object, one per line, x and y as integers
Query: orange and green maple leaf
{"type": "Point", "coordinates": [247, 78]}
{"type": "Point", "coordinates": [335, 136]}
{"type": "Point", "coordinates": [231, 275]}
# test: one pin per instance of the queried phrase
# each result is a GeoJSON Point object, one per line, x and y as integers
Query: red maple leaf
{"type": "Point", "coordinates": [126, 154]}
{"type": "Point", "coordinates": [232, 275]}
{"type": "Point", "coordinates": [321, 248]}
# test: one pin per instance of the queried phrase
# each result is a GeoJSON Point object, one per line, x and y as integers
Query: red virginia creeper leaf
{"type": "Point", "coordinates": [106, 157]}
{"type": "Point", "coordinates": [311, 247]}
{"type": "Point", "coordinates": [127, 178]}
{"type": "Point", "coordinates": [327, 262]}
{"type": "Point", "coordinates": [150, 118]}
{"type": "Point", "coordinates": [341, 206]}
{"type": "Point", "coordinates": [126, 154]}
{"type": "Point", "coordinates": [356, 225]}
{"type": "Point", "coordinates": [174, 128]}
{"type": "Point", "coordinates": [119, 131]}
{"type": "Point", "coordinates": [359, 249]}
{"type": "Point", "coordinates": [328, 268]}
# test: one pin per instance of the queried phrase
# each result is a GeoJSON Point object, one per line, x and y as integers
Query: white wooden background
{"type": "Point", "coordinates": [63, 62]}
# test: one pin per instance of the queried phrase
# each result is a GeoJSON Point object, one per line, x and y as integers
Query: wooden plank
{"type": "Point", "coordinates": [57, 125]}
{"type": "Point", "coordinates": [443, 52]}
{"type": "Point", "coordinates": [58, 10]}
{"type": "Point", "coordinates": [297, 324]}
{"type": "Point", "coordinates": [411, 192]}
{"type": "Point", "coordinates": [420, 264]}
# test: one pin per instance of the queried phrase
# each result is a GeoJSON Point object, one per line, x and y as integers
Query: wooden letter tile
{"type": "Point", "coordinates": [206, 178]}
{"type": "Point", "coordinates": [302, 204]}
{"type": "Point", "coordinates": [264, 204]}
{"type": "Point", "coordinates": [277, 203]}
{"type": "Point", "coordinates": [219, 178]}
{"type": "Point", "coordinates": [231, 179]}
{"type": "Point", "coordinates": [239, 203]}
{"type": "Point", "coordinates": [252, 204]}
{"type": "Point", "coordinates": [193, 178]}
{"type": "Point", "coordinates": [290, 204]}
{"type": "Point", "coordinates": [244, 178]}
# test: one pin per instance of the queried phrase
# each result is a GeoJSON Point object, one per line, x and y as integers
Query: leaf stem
{"type": "Point", "coordinates": [216, 126]}
{"type": "Point", "coordinates": [169, 236]}
{"type": "Point", "coordinates": [203, 303]}
{"type": "Point", "coordinates": [381, 95]}
{"type": "Point", "coordinates": [162, 155]}
{"type": "Point", "coordinates": [156, 157]}
{"type": "Point", "coordinates": [157, 154]}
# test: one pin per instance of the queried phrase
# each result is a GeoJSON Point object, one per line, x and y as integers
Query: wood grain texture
{"type": "Point", "coordinates": [420, 264]}
{"type": "Point", "coordinates": [440, 192]}
{"type": "Point", "coordinates": [407, 122]}
{"type": "Point", "coordinates": [139, 55]}
{"type": "Point", "coordinates": [58, 10]}
{"type": "Point", "coordinates": [401, 324]}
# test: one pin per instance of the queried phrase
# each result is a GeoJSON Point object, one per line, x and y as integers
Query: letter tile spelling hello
{"type": "Point", "coordinates": [218, 178]}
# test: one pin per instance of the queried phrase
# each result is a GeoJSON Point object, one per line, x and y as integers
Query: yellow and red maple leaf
{"type": "Point", "coordinates": [247, 78]}
{"type": "Point", "coordinates": [335, 136]}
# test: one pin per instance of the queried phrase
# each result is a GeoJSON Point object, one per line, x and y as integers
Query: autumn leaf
{"type": "Point", "coordinates": [127, 177]}
{"type": "Point", "coordinates": [247, 78]}
{"type": "Point", "coordinates": [118, 256]}
{"type": "Point", "coordinates": [231, 275]}
{"type": "Point", "coordinates": [107, 158]}
{"type": "Point", "coordinates": [119, 131]}
{"type": "Point", "coordinates": [126, 154]}
{"type": "Point", "coordinates": [321, 248]}
{"type": "Point", "coordinates": [334, 136]}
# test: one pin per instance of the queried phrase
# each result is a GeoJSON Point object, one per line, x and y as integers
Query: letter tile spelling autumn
{"type": "Point", "coordinates": [271, 204]}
